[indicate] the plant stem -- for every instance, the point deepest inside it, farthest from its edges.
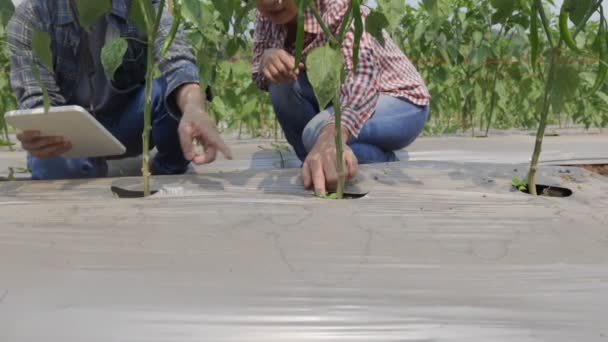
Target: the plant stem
(145, 168)
(276, 130)
(152, 31)
(339, 146)
(481, 125)
(261, 126)
(464, 117)
(330, 36)
(546, 23)
(549, 83)
(345, 23)
(492, 101)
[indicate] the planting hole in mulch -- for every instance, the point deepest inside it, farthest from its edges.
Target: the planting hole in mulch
(129, 193)
(347, 196)
(354, 196)
(551, 191)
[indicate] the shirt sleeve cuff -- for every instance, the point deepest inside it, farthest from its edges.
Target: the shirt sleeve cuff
(38, 102)
(181, 73)
(31, 103)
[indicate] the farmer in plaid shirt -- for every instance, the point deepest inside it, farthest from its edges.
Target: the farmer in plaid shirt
(179, 113)
(385, 102)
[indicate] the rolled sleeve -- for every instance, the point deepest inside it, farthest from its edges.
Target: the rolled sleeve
(178, 66)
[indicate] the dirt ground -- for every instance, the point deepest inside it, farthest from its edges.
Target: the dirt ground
(601, 169)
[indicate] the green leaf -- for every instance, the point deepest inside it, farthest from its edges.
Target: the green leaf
(41, 45)
(6, 12)
(327, 196)
(477, 37)
(515, 181)
(137, 15)
(226, 10)
(520, 185)
(112, 55)
(206, 69)
(45, 94)
(375, 23)
(91, 10)
(577, 9)
(232, 47)
(192, 11)
(324, 66)
(394, 11)
(480, 55)
(602, 74)
(438, 9)
(504, 10)
(567, 81)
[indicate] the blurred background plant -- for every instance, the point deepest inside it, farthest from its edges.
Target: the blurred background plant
(7, 100)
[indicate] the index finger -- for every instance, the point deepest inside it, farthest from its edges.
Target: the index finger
(224, 149)
(318, 178)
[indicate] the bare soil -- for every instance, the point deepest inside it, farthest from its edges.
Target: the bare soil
(602, 169)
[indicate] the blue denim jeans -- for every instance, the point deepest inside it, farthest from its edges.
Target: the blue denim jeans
(395, 124)
(127, 127)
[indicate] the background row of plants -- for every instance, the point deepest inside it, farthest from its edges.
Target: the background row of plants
(7, 100)
(474, 55)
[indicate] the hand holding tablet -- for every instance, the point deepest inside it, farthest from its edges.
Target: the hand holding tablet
(43, 147)
(68, 131)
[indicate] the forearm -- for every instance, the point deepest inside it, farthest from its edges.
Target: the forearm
(328, 133)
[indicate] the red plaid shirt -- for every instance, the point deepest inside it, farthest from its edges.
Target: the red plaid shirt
(381, 70)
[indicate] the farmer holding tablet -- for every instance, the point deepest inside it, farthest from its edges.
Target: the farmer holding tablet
(385, 102)
(179, 113)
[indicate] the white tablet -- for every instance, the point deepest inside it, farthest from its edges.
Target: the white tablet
(88, 137)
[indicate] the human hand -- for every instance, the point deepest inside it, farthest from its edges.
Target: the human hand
(278, 66)
(196, 127)
(319, 170)
(43, 147)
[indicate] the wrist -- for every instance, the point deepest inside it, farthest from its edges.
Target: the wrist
(189, 99)
(330, 129)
